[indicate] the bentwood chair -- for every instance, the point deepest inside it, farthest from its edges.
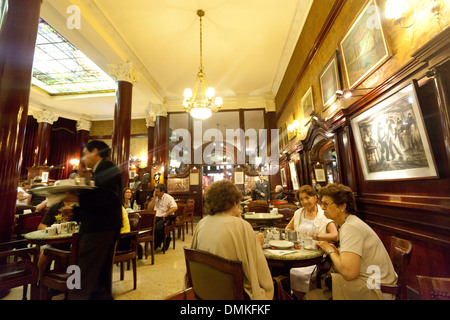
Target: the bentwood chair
(20, 271)
(400, 254)
(56, 278)
(28, 222)
(180, 219)
(169, 228)
(189, 214)
(147, 232)
(433, 288)
(258, 206)
(125, 249)
(213, 277)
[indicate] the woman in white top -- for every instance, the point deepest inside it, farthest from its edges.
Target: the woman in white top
(22, 194)
(309, 221)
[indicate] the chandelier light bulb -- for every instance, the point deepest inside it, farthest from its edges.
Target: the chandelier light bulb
(218, 101)
(188, 93)
(210, 93)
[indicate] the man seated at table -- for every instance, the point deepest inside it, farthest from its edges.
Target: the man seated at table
(164, 205)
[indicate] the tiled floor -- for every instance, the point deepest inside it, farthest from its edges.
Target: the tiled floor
(154, 282)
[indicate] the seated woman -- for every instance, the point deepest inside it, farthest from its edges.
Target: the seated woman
(22, 194)
(127, 199)
(279, 193)
(224, 233)
(360, 253)
(311, 221)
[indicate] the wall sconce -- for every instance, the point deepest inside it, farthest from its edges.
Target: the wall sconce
(75, 163)
(293, 127)
(347, 94)
(395, 9)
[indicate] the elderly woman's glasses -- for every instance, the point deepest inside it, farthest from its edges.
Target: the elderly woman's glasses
(325, 204)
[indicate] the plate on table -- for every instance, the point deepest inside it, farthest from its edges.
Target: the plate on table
(58, 189)
(281, 244)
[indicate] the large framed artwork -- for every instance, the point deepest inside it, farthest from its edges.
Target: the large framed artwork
(307, 104)
(294, 176)
(330, 82)
(291, 135)
(364, 47)
(392, 141)
(283, 177)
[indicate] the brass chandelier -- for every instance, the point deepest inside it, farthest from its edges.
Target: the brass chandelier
(207, 102)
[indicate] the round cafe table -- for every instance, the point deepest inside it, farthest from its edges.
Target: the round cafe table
(282, 261)
(40, 237)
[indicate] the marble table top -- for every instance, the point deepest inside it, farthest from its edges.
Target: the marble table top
(292, 254)
(263, 216)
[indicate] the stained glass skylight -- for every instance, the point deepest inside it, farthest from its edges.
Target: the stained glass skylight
(61, 69)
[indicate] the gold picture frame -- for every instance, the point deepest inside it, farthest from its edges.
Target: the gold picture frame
(364, 48)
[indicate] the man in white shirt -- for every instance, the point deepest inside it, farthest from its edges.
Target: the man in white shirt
(164, 205)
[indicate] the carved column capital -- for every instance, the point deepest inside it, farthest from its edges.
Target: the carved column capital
(123, 72)
(155, 110)
(84, 124)
(45, 116)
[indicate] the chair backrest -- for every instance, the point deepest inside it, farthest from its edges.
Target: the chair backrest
(287, 213)
(190, 208)
(134, 218)
(213, 277)
(28, 222)
(147, 220)
(260, 206)
(433, 288)
(180, 213)
(400, 253)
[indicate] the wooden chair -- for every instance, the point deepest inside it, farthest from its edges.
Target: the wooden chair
(56, 278)
(433, 288)
(258, 206)
(28, 222)
(400, 253)
(213, 277)
(189, 214)
(125, 249)
(147, 232)
(19, 272)
(288, 214)
(180, 219)
(168, 229)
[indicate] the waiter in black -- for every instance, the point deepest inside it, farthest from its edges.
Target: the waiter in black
(100, 215)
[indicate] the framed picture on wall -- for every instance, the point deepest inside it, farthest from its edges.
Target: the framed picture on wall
(330, 82)
(239, 177)
(283, 177)
(193, 178)
(392, 141)
(320, 175)
(364, 47)
(294, 176)
(291, 135)
(307, 105)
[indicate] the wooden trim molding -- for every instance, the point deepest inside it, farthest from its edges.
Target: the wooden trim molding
(331, 18)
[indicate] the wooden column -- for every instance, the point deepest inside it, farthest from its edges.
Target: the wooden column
(125, 75)
(45, 119)
(16, 61)
(150, 121)
(160, 165)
